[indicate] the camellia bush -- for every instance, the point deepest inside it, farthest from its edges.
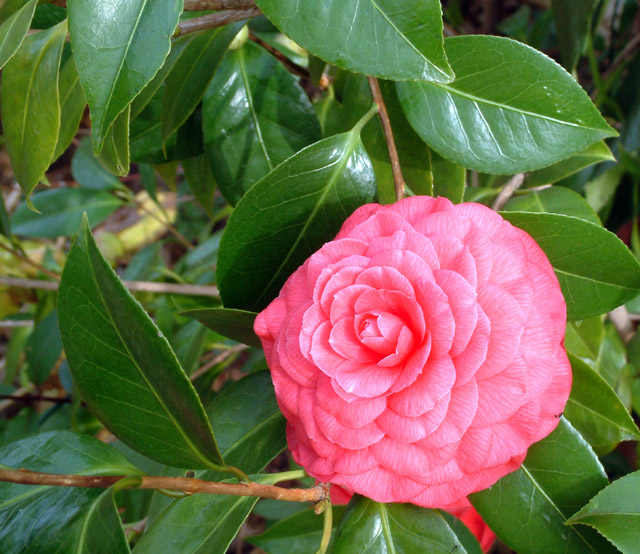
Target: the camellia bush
(319, 276)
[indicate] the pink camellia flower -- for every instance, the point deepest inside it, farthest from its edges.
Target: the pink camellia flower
(418, 355)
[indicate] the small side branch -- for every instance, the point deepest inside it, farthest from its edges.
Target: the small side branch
(398, 180)
(197, 5)
(507, 191)
(213, 20)
(183, 484)
(134, 286)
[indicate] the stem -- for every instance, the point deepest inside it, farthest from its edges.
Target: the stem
(398, 180)
(292, 67)
(325, 505)
(134, 286)
(196, 5)
(315, 494)
(507, 191)
(179, 236)
(213, 20)
(29, 261)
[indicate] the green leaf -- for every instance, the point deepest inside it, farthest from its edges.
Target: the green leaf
(597, 152)
(249, 426)
(595, 410)
(554, 200)
(263, 244)
(299, 533)
(510, 109)
(199, 176)
(31, 105)
(117, 52)
(392, 39)
(114, 155)
(43, 348)
(583, 338)
(250, 429)
(72, 105)
(14, 29)
(527, 509)
(615, 512)
(448, 178)
(60, 212)
(147, 401)
(573, 24)
(5, 226)
(89, 172)
(190, 76)
(255, 115)
(369, 526)
(233, 324)
(596, 271)
(52, 519)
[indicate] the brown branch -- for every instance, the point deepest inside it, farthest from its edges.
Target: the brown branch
(213, 20)
(291, 66)
(35, 398)
(621, 58)
(507, 191)
(398, 180)
(184, 484)
(134, 286)
(196, 5)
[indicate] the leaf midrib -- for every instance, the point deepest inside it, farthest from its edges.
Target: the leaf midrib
(605, 418)
(453, 91)
(187, 440)
(386, 531)
(596, 281)
(553, 505)
(408, 42)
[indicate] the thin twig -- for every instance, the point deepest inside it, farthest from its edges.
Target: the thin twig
(177, 234)
(29, 261)
(291, 66)
(35, 398)
(217, 360)
(398, 180)
(507, 191)
(13, 323)
(214, 20)
(184, 484)
(134, 286)
(196, 5)
(624, 54)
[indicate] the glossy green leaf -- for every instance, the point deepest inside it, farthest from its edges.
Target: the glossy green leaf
(114, 155)
(52, 519)
(299, 533)
(118, 48)
(60, 212)
(510, 109)
(596, 271)
(199, 176)
(369, 526)
(14, 29)
(72, 105)
(89, 172)
(255, 115)
(249, 426)
(43, 348)
(393, 39)
(31, 105)
(5, 225)
(250, 431)
(554, 200)
(584, 338)
(595, 410)
(615, 512)
(448, 178)
(198, 524)
(597, 152)
(263, 244)
(573, 24)
(233, 324)
(527, 509)
(190, 76)
(147, 401)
